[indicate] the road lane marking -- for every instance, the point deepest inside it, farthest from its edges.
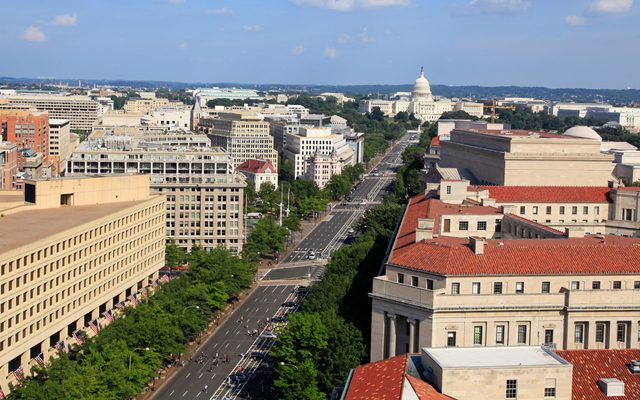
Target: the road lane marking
(188, 375)
(199, 393)
(185, 393)
(170, 394)
(200, 375)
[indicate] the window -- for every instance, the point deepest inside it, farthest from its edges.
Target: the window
(575, 285)
(546, 287)
(600, 332)
(430, 284)
(585, 210)
(448, 189)
(561, 210)
(519, 287)
(636, 284)
(548, 337)
(523, 210)
(463, 225)
(451, 339)
(522, 334)
(455, 288)
(617, 284)
(549, 392)
(548, 210)
(595, 285)
(627, 214)
(500, 334)
(414, 281)
(482, 225)
(579, 333)
(400, 278)
(574, 210)
(535, 210)
(621, 332)
(512, 389)
(475, 288)
(497, 287)
(477, 335)
(596, 210)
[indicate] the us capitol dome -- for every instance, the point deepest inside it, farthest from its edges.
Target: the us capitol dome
(421, 88)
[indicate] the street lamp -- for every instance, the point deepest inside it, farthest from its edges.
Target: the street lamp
(131, 354)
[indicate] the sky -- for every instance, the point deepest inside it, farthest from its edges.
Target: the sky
(552, 43)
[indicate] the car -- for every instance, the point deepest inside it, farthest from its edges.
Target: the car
(257, 355)
(311, 255)
(363, 202)
(289, 304)
(351, 231)
(302, 289)
(269, 335)
(280, 318)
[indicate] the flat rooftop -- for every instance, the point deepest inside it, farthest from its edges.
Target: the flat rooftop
(30, 225)
(488, 357)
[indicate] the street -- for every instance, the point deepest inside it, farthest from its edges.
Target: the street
(266, 301)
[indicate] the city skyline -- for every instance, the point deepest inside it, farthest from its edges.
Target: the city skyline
(506, 42)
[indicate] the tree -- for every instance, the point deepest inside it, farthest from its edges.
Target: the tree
(376, 114)
(174, 255)
(460, 114)
(270, 198)
(402, 116)
(291, 222)
(265, 239)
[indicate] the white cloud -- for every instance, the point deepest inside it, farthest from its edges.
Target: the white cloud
(220, 11)
(183, 46)
(575, 20)
(330, 52)
(360, 37)
(297, 50)
(611, 6)
(498, 6)
(252, 28)
(65, 19)
(34, 34)
(350, 5)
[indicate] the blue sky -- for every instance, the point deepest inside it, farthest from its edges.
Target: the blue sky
(554, 43)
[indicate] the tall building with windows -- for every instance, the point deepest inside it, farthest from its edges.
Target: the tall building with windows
(81, 111)
(27, 129)
(71, 249)
(466, 274)
(243, 135)
(204, 192)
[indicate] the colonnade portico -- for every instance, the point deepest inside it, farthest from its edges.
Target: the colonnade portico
(401, 334)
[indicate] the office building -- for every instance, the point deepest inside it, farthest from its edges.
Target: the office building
(204, 193)
(61, 142)
(244, 135)
(8, 165)
(311, 140)
(524, 158)
(72, 249)
(280, 127)
(171, 119)
(81, 111)
(321, 167)
(28, 130)
(203, 95)
(145, 104)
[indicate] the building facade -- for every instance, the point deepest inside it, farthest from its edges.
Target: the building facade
(77, 247)
(259, 172)
(61, 142)
(322, 167)
(204, 193)
(8, 165)
(28, 130)
(81, 111)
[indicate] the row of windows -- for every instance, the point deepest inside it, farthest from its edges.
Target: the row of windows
(497, 287)
(561, 210)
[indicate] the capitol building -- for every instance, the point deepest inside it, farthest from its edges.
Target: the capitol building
(421, 103)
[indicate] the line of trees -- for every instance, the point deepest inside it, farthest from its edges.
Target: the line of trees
(163, 324)
(330, 334)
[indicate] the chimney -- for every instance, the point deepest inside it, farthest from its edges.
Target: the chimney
(574, 232)
(477, 244)
(424, 229)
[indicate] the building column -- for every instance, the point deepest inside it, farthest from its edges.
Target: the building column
(392, 335)
(634, 335)
(412, 334)
(613, 335)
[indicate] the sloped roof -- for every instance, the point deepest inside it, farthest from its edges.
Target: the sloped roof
(547, 194)
(589, 366)
(256, 166)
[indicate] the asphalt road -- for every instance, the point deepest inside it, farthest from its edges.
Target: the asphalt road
(315, 270)
(230, 338)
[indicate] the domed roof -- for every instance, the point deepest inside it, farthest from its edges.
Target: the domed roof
(421, 87)
(583, 132)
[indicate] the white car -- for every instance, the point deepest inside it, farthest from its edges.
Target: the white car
(269, 335)
(350, 231)
(311, 255)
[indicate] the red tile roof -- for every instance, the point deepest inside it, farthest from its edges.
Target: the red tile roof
(629, 188)
(256, 166)
(589, 366)
(421, 207)
(384, 380)
(547, 194)
(435, 142)
(381, 380)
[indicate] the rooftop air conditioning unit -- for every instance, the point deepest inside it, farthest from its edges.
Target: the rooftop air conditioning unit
(611, 387)
(634, 367)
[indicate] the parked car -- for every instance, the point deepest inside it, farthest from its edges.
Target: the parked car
(289, 304)
(269, 335)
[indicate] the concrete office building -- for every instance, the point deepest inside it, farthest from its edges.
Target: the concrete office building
(145, 104)
(310, 140)
(204, 193)
(76, 248)
(243, 135)
(8, 165)
(280, 127)
(205, 94)
(322, 167)
(81, 111)
(472, 275)
(171, 119)
(61, 142)
(524, 158)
